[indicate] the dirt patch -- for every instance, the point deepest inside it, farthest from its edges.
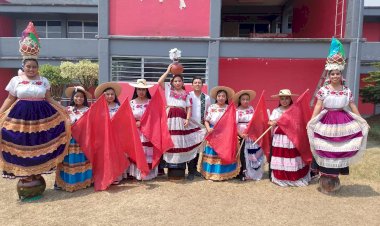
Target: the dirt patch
(204, 202)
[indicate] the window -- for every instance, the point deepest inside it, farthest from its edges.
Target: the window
(82, 29)
(48, 29)
(151, 68)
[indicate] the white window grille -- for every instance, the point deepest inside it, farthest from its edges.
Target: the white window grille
(130, 68)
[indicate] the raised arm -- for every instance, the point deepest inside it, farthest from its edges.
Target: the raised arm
(161, 81)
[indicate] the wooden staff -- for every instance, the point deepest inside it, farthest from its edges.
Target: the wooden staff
(257, 140)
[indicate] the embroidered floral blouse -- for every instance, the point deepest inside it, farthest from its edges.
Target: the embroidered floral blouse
(335, 99)
(174, 98)
(75, 113)
(214, 113)
(113, 110)
(21, 88)
(243, 116)
(138, 109)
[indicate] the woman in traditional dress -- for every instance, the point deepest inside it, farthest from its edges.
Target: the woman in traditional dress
(251, 155)
(139, 103)
(186, 134)
(212, 166)
(111, 90)
(337, 135)
(35, 130)
(288, 168)
(75, 172)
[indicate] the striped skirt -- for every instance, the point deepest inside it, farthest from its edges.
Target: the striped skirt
(34, 138)
(337, 138)
(75, 172)
(254, 160)
(148, 150)
(187, 140)
(288, 168)
(212, 167)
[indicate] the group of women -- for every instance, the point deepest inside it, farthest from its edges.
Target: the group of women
(36, 138)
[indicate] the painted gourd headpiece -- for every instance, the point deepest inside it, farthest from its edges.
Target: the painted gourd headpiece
(336, 58)
(29, 43)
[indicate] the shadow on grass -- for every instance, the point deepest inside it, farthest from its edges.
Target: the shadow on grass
(356, 190)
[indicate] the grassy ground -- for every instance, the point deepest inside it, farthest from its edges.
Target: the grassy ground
(202, 202)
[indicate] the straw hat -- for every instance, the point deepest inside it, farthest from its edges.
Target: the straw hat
(284, 93)
(230, 92)
(250, 93)
(141, 83)
(69, 91)
(100, 89)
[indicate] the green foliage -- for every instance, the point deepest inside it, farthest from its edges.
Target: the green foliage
(57, 82)
(371, 92)
(85, 72)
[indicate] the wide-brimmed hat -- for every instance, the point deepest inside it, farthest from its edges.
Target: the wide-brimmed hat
(230, 92)
(141, 83)
(250, 93)
(284, 93)
(100, 89)
(69, 91)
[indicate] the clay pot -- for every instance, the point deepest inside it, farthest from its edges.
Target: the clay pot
(328, 184)
(31, 187)
(176, 68)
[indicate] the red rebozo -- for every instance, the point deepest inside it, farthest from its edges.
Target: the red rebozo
(152, 18)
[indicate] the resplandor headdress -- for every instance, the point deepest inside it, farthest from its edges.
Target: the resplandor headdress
(336, 58)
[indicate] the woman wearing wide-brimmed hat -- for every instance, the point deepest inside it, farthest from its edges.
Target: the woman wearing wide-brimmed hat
(111, 91)
(288, 168)
(251, 155)
(212, 166)
(140, 101)
(75, 172)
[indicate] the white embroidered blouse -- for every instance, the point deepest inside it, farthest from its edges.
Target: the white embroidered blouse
(24, 88)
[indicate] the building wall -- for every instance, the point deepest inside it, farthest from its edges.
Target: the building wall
(6, 26)
(270, 74)
(371, 31)
(314, 19)
(5, 76)
(152, 18)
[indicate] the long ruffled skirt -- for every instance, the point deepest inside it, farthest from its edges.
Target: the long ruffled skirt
(337, 139)
(75, 172)
(148, 150)
(288, 168)
(34, 138)
(187, 140)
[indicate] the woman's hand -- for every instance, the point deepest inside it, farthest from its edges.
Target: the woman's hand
(168, 69)
(186, 123)
(272, 123)
(243, 136)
